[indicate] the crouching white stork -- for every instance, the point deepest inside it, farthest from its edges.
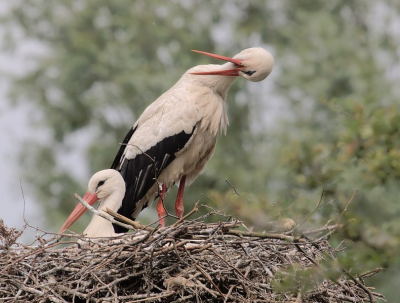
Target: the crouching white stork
(107, 187)
(176, 135)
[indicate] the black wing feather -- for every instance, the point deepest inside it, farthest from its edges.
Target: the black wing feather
(140, 173)
(121, 150)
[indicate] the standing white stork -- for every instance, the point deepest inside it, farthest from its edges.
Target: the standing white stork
(176, 135)
(108, 187)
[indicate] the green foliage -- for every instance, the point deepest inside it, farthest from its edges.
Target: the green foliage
(295, 279)
(338, 132)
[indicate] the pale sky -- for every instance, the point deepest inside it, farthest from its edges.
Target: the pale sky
(13, 130)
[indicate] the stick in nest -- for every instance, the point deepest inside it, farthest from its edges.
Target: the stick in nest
(101, 214)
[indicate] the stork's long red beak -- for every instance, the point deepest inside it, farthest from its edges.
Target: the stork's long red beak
(230, 72)
(79, 210)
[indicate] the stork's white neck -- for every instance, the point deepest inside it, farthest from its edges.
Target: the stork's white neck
(100, 227)
(220, 84)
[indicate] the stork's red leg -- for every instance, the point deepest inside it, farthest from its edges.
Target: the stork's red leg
(160, 206)
(179, 198)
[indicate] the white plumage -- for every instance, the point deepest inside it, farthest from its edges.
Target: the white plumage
(108, 187)
(183, 124)
(176, 135)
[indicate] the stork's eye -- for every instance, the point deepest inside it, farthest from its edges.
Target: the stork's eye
(101, 183)
(249, 72)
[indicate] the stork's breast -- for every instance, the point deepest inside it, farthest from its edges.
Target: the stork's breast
(194, 159)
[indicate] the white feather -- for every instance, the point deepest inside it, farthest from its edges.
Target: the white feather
(110, 196)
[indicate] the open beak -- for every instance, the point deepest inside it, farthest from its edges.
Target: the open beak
(79, 210)
(230, 72)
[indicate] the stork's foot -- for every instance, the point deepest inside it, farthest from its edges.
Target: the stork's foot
(161, 212)
(179, 208)
(179, 198)
(160, 206)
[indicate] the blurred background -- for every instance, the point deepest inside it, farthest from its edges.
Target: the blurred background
(75, 75)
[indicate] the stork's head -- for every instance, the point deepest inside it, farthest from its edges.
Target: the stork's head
(253, 64)
(102, 185)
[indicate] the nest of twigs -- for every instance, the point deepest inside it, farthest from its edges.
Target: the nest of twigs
(190, 261)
